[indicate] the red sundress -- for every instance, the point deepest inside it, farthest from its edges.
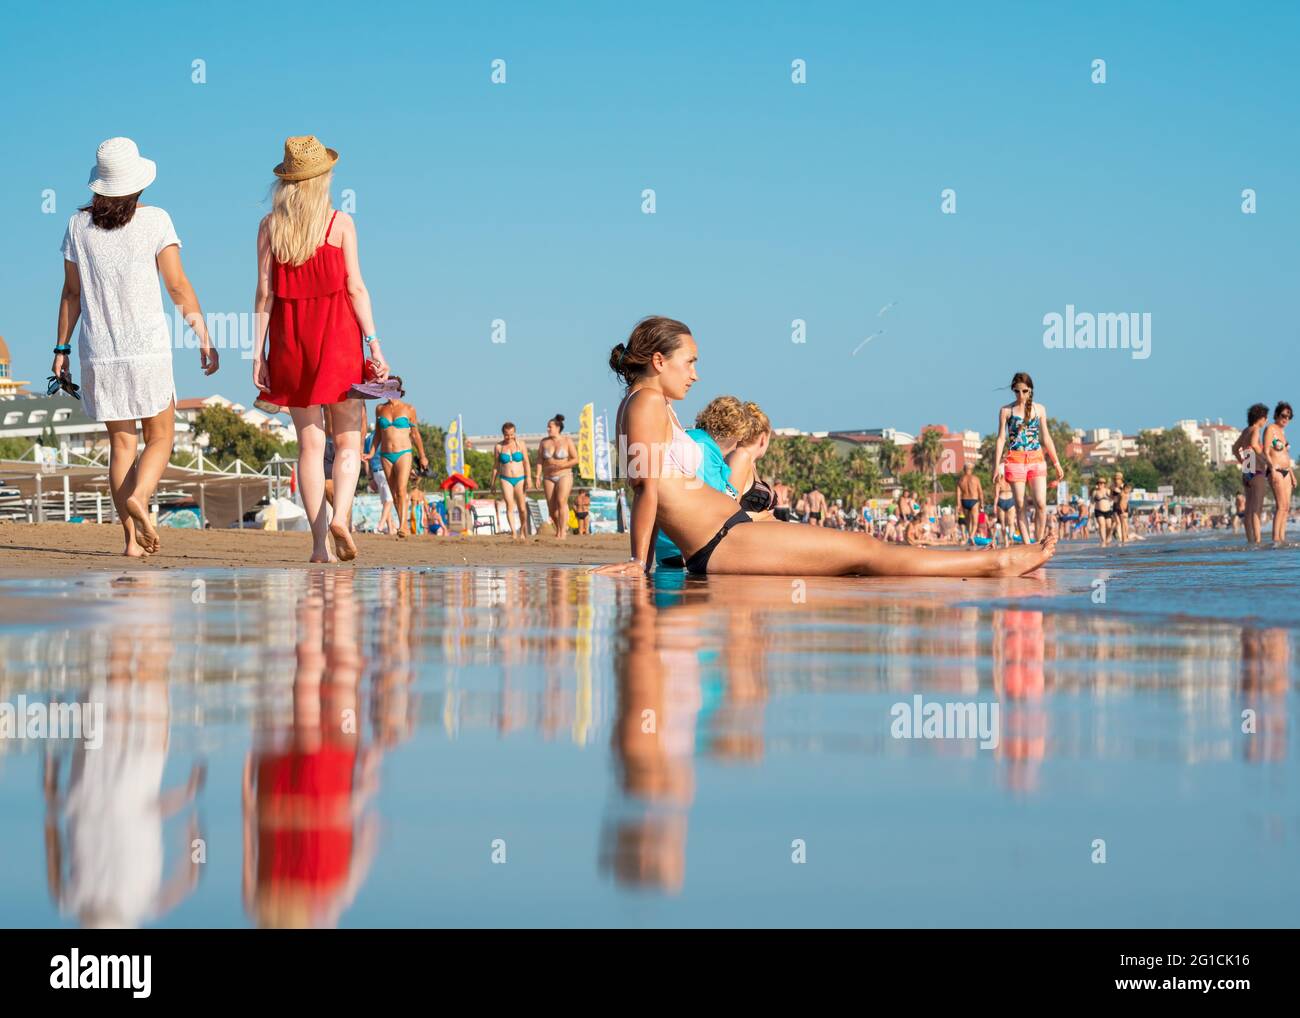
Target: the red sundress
(315, 355)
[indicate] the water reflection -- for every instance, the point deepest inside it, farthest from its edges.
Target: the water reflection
(316, 678)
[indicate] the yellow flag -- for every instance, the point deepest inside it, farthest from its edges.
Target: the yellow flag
(586, 447)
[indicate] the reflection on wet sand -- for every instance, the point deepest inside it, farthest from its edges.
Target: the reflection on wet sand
(326, 672)
(104, 833)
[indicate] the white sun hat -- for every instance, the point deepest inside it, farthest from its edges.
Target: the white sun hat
(120, 169)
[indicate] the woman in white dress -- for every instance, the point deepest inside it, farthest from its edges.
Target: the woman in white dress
(113, 251)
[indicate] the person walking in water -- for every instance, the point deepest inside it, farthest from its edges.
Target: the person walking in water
(1023, 435)
(310, 290)
(113, 252)
(1281, 475)
(1249, 451)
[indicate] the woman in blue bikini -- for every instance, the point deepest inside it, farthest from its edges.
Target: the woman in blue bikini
(398, 435)
(510, 468)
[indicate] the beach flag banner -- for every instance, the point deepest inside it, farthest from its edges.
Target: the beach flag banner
(1062, 492)
(601, 442)
(455, 447)
(586, 459)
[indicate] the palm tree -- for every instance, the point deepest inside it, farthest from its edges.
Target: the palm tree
(892, 459)
(928, 452)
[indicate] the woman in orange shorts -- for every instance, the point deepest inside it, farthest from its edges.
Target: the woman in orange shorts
(1023, 435)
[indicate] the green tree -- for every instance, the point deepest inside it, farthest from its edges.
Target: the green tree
(1227, 481)
(1140, 472)
(928, 452)
(863, 476)
(231, 438)
(892, 458)
(13, 448)
(1178, 461)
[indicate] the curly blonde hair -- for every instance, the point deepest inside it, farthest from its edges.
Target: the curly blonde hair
(723, 418)
(757, 424)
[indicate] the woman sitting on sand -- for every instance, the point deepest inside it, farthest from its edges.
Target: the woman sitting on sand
(717, 428)
(658, 365)
(397, 430)
(309, 288)
(113, 251)
(756, 495)
(1281, 476)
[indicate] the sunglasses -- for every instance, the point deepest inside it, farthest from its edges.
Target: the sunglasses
(1021, 392)
(62, 382)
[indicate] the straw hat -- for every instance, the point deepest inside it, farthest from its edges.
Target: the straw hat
(305, 157)
(120, 169)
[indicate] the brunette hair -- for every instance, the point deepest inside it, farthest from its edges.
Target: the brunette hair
(1284, 405)
(1257, 411)
(1022, 378)
(506, 427)
(112, 213)
(558, 421)
(650, 336)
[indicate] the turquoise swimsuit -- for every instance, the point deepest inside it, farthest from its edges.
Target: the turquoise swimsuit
(511, 457)
(383, 423)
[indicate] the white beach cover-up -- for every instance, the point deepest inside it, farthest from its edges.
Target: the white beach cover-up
(125, 345)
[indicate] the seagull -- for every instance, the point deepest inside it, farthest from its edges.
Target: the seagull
(881, 312)
(866, 341)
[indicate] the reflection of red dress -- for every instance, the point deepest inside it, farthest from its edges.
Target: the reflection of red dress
(315, 355)
(318, 786)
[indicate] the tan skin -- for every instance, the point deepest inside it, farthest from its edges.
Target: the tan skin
(394, 439)
(515, 497)
(1006, 517)
(1039, 482)
(1102, 500)
(555, 476)
(1249, 452)
(581, 505)
(969, 487)
(131, 482)
(1281, 475)
(347, 417)
(691, 513)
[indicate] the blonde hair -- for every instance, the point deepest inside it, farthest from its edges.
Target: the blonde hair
(724, 417)
(299, 218)
(757, 424)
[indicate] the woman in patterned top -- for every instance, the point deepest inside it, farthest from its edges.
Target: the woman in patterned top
(1023, 435)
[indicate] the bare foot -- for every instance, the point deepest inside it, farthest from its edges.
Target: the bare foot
(145, 535)
(343, 543)
(1025, 559)
(133, 550)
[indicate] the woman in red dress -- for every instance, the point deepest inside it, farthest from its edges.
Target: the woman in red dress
(310, 292)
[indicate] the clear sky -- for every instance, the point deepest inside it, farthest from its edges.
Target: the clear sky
(775, 201)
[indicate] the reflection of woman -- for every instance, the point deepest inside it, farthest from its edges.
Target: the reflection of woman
(510, 465)
(306, 782)
(397, 433)
(556, 458)
(1019, 645)
(115, 807)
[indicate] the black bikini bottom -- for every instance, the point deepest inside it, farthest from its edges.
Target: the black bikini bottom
(698, 564)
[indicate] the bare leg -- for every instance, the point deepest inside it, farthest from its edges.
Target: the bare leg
(1022, 521)
(309, 423)
(1282, 496)
(563, 485)
(121, 478)
(347, 418)
(773, 549)
(1040, 506)
(398, 474)
(548, 486)
(521, 499)
(508, 493)
(1255, 508)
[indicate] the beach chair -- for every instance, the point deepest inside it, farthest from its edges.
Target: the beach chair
(483, 513)
(537, 513)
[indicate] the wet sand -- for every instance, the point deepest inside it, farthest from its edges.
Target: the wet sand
(36, 549)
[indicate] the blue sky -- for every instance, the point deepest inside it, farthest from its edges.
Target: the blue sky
(775, 201)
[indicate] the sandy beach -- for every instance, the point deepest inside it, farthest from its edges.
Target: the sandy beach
(28, 549)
